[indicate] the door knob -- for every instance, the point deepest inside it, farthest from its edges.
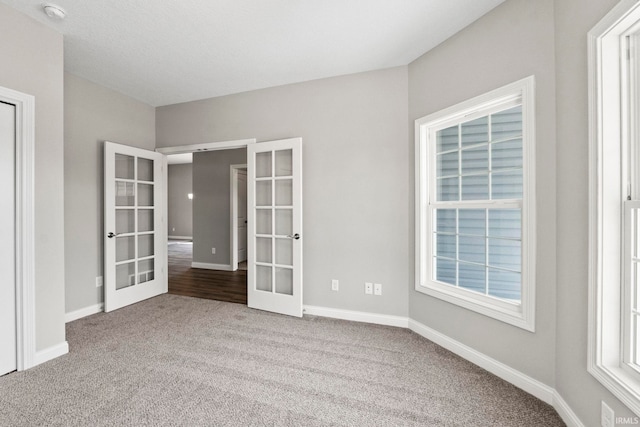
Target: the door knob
(295, 236)
(111, 235)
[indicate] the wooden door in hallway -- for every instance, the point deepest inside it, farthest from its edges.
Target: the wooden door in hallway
(8, 333)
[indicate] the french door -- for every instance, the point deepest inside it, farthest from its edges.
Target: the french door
(135, 212)
(274, 279)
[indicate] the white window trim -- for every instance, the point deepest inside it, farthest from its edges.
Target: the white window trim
(606, 124)
(521, 315)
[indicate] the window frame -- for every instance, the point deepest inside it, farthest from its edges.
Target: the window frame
(613, 178)
(520, 92)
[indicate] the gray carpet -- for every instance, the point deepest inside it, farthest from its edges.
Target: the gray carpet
(180, 361)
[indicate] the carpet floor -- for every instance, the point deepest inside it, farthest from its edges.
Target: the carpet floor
(181, 361)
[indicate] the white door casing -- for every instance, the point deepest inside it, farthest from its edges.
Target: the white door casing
(242, 215)
(8, 331)
(135, 232)
(238, 215)
(274, 187)
(24, 231)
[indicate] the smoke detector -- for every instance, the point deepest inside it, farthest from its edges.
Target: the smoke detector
(54, 11)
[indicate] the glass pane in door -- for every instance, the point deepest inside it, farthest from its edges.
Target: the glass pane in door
(145, 270)
(284, 192)
(145, 245)
(125, 221)
(263, 165)
(125, 193)
(284, 281)
(284, 252)
(263, 249)
(263, 278)
(145, 170)
(145, 194)
(125, 275)
(125, 166)
(263, 221)
(284, 163)
(263, 193)
(145, 219)
(284, 222)
(125, 248)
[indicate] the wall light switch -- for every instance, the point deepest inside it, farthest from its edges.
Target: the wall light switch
(98, 281)
(213, 251)
(368, 288)
(335, 285)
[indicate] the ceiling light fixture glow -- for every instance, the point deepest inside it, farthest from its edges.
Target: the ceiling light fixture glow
(54, 11)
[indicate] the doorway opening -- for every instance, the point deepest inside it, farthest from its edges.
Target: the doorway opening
(207, 246)
(273, 280)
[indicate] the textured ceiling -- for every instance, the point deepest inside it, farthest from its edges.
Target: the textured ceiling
(166, 51)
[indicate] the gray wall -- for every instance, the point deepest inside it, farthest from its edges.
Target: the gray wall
(212, 204)
(179, 183)
(32, 62)
(355, 157)
(93, 114)
(573, 19)
(513, 41)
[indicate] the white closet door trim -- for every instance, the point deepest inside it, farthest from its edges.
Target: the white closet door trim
(25, 225)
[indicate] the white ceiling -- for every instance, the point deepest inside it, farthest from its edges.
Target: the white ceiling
(166, 51)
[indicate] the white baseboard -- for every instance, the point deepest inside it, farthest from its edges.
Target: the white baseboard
(83, 312)
(209, 266)
(564, 410)
(50, 353)
(181, 237)
(357, 316)
(507, 373)
(530, 385)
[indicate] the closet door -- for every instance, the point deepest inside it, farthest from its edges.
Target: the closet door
(8, 334)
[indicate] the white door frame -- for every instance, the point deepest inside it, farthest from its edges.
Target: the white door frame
(234, 215)
(24, 226)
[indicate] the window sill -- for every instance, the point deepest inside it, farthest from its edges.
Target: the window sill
(513, 314)
(621, 383)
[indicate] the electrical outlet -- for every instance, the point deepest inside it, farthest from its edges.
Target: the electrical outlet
(377, 289)
(213, 251)
(368, 288)
(173, 229)
(335, 285)
(98, 281)
(606, 416)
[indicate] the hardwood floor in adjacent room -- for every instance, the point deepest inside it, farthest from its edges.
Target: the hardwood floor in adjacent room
(230, 286)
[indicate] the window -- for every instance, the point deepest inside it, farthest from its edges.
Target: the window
(475, 204)
(614, 203)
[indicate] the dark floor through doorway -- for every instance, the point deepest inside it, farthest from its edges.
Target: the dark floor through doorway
(230, 286)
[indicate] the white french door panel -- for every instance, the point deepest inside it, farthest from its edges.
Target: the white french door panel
(8, 331)
(135, 212)
(274, 243)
